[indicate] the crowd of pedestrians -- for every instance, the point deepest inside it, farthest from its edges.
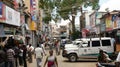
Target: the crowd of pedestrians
(14, 54)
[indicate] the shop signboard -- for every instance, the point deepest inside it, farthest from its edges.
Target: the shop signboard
(12, 17)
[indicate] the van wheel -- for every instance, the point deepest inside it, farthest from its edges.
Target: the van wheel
(72, 57)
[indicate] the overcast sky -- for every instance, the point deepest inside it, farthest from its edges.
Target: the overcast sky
(111, 4)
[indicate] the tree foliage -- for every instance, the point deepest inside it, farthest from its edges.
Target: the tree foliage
(65, 8)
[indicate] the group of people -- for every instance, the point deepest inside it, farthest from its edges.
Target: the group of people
(14, 54)
(11, 53)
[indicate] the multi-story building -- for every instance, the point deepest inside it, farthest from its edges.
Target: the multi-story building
(95, 23)
(9, 17)
(34, 21)
(54, 31)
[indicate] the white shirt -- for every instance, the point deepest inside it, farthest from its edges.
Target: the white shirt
(30, 48)
(43, 48)
(38, 52)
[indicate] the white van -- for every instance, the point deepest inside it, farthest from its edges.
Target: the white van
(88, 48)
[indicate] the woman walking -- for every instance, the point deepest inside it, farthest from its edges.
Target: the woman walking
(51, 60)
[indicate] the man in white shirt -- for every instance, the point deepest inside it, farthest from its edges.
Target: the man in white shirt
(38, 55)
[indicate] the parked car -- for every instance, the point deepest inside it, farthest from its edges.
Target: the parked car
(88, 48)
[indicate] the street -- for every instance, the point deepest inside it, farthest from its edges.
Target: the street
(63, 62)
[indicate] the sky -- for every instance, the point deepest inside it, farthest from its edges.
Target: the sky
(111, 4)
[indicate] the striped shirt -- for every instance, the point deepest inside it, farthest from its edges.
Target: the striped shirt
(10, 55)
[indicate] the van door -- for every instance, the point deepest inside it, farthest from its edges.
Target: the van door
(107, 45)
(84, 50)
(95, 45)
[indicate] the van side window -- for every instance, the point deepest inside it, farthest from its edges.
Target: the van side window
(95, 43)
(106, 43)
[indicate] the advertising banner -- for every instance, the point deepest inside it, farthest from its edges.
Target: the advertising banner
(108, 22)
(1, 6)
(114, 21)
(2, 12)
(118, 22)
(33, 9)
(33, 26)
(12, 16)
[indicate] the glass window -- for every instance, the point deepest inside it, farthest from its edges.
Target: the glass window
(95, 43)
(106, 43)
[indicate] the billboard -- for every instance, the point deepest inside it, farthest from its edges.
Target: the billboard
(12, 16)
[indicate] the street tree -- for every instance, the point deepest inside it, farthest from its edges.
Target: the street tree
(69, 8)
(49, 9)
(56, 9)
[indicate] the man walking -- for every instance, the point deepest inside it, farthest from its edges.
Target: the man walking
(38, 55)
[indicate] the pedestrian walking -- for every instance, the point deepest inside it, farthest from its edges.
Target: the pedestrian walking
(51, 60)
(57, 47)
(21, 55)
(43, 48)
(16, 50)
(38, 55)
(24, 55)
(10, 57)
(30, 49)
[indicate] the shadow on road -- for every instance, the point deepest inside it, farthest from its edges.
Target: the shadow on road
(67, 61)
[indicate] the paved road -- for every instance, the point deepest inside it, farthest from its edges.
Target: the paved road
(62, 62)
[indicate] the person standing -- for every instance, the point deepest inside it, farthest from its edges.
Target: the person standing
(10, 57)
(38, 55)
(51, 60)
